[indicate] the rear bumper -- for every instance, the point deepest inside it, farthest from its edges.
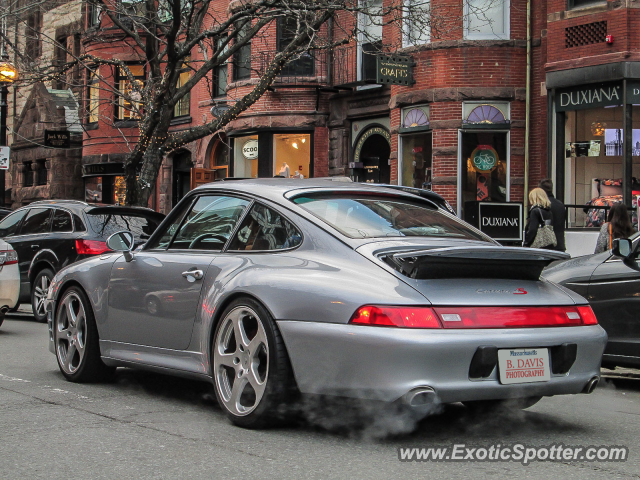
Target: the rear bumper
(9, 286)
(386, 363)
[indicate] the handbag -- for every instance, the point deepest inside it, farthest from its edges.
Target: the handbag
(545, 236)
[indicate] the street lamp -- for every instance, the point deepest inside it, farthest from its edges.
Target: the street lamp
(8, 75)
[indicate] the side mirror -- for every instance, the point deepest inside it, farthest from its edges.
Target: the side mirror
(622, 247)
(122, 242)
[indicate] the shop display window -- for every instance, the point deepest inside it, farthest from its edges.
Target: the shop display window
(245, 157)
(291, 155)
(484, 167)
(416, 160)
(594, 162)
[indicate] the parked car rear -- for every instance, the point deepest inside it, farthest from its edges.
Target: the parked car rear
(49, 235)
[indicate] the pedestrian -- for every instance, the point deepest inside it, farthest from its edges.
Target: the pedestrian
(539, 232)
(558, 211)
(618, 225)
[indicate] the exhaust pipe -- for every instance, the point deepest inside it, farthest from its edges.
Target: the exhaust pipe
(591, 385)
(420, 397)
(4, 310)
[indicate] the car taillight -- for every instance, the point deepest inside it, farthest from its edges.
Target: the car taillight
(515, 317)
(91, 247)
(8, 257)
(588, 317)
(408, 317)
(474, 317)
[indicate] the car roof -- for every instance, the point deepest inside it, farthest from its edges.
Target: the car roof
(280, 189)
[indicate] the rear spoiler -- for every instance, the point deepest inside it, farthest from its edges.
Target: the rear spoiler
(475, 262)
(133, 211)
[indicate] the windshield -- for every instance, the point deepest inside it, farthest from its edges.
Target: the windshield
(361, 216)
(107, 224)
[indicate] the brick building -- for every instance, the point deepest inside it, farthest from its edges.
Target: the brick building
(459, 129)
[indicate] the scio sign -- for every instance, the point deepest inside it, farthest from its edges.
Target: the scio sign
(250, 149)
(501, 221)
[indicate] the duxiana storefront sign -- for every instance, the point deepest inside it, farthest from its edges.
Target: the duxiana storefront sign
(589, 96)
(501, 221)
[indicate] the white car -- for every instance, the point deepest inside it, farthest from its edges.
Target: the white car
(9, 278)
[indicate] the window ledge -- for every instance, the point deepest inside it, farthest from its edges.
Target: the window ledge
(125, 123)
(181, 120)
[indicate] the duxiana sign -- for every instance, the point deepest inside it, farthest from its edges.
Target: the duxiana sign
(589, 96)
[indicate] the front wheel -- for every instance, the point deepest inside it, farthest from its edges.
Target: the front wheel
(75, 337)
(39, 289)
(251, 369)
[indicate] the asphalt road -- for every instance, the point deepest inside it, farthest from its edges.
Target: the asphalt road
(151, 426)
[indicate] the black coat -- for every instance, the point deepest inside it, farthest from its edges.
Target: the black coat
(537, 217)
(559, 213)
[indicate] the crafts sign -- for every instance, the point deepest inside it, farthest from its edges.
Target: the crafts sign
(484, 158)
(250, 150)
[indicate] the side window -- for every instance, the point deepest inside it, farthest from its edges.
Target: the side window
(38, 221)
(10, 224)
(210, 223)
(61, 222)
(169, 229)
(265, 229)
(79, 224)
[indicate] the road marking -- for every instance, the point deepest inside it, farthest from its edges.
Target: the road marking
(13, 379)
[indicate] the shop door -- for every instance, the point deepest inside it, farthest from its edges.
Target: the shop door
(375, 160)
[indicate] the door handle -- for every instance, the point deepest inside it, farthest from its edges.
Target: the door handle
(35, 247)
(193, 275)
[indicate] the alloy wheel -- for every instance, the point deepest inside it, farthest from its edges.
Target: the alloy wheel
(71, 329)
(40, 293)
(241, 360)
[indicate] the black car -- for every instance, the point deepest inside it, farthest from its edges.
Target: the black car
(49, 235)
(611, 282)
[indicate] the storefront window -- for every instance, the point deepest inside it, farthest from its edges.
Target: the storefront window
(292, 155)
(416, 160)
(483, 170)
(245, 157)
(130, 92)
(594, 162)
(110, 190)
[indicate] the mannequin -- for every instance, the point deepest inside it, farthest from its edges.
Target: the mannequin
(284, 171)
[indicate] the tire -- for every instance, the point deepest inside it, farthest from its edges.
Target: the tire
(76, 341)
(497, 406)
(1, 319)
(39, 289)
(258, 366)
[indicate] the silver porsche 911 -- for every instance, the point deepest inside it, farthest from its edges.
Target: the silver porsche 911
(272, 287)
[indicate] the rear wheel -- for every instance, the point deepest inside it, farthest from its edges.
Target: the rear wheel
(1, 318)
(504, 405)
(39, 289)
(250, 365)
(76, 339)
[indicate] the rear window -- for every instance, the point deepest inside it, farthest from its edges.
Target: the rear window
(363, 216)
(107, 224)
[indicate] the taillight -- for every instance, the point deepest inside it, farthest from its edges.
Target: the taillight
(588, 317)
(408, 317)
(91, 247)
(8, 257)
(474, 317)
(515, 317)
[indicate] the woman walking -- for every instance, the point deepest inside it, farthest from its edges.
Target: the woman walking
(618, 225)
(539, 231)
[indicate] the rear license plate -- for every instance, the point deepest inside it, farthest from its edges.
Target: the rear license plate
(523, 365)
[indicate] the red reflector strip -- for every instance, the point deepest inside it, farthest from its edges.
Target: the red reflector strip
(407, 317)
(517, 317)
(91, 247)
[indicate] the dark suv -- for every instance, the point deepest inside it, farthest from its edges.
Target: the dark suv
(49, 235)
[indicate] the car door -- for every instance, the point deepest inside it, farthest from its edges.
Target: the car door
(153, 300)
(31, 238)
(614, 294)
(9, 229)
(61, 241)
